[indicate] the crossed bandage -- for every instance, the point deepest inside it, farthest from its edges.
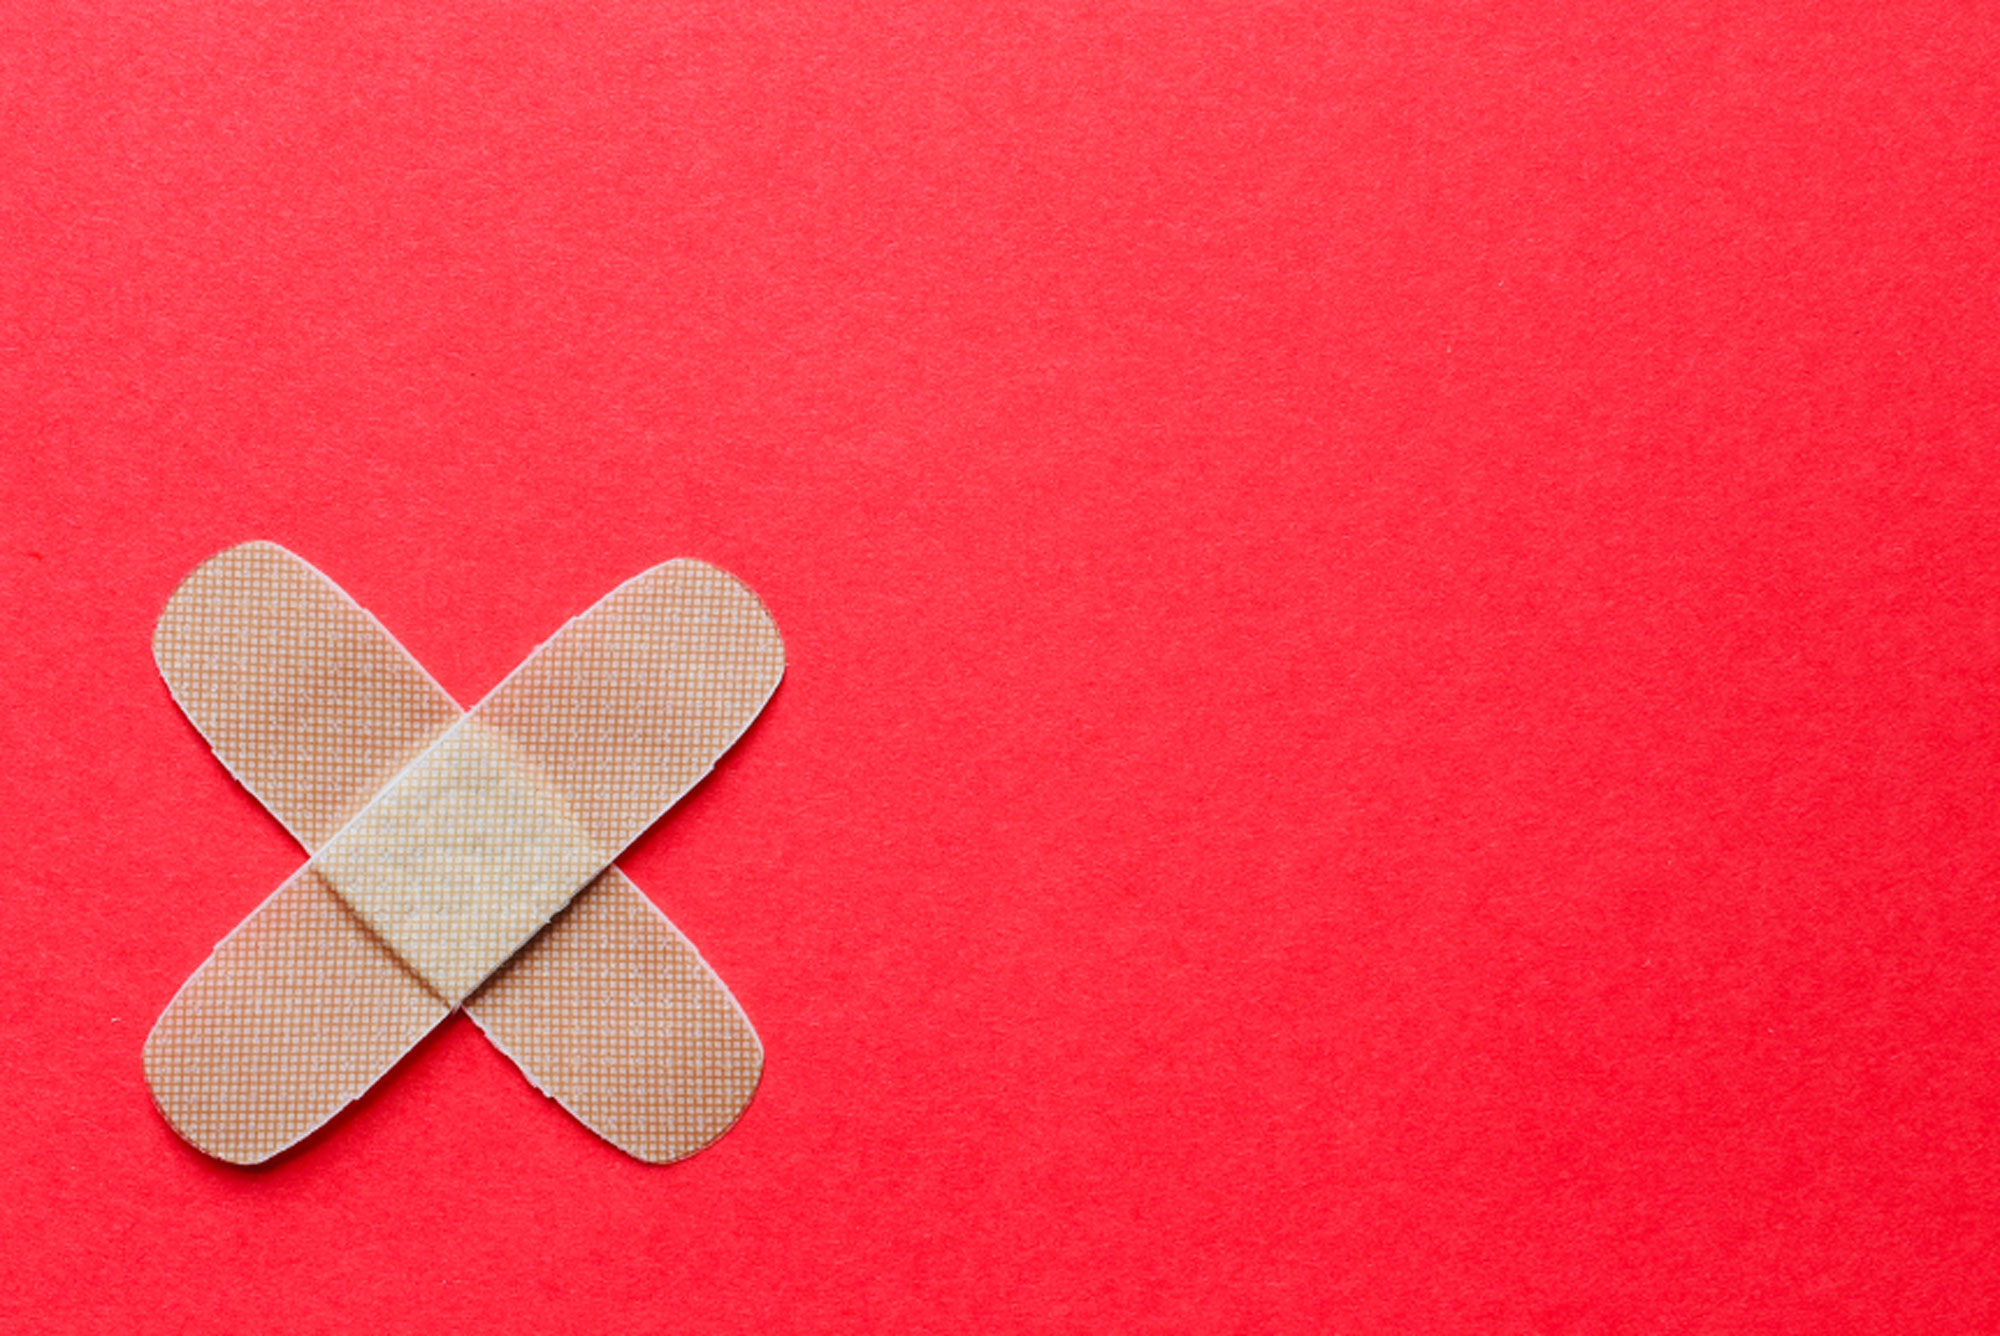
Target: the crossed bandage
(458, 859)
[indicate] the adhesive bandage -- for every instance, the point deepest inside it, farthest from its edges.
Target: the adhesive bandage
(444, 842)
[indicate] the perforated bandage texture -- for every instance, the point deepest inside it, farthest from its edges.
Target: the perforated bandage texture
(449, 842)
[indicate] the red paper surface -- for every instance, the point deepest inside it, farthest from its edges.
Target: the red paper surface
(1394, 619)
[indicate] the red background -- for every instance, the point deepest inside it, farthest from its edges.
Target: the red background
(1394, 617)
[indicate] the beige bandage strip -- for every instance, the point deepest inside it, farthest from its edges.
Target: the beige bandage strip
(314, 706)
(309, 701)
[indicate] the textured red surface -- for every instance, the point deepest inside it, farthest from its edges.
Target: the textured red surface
(1394, 617)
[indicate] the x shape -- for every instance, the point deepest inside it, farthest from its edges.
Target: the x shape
(444, 849)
